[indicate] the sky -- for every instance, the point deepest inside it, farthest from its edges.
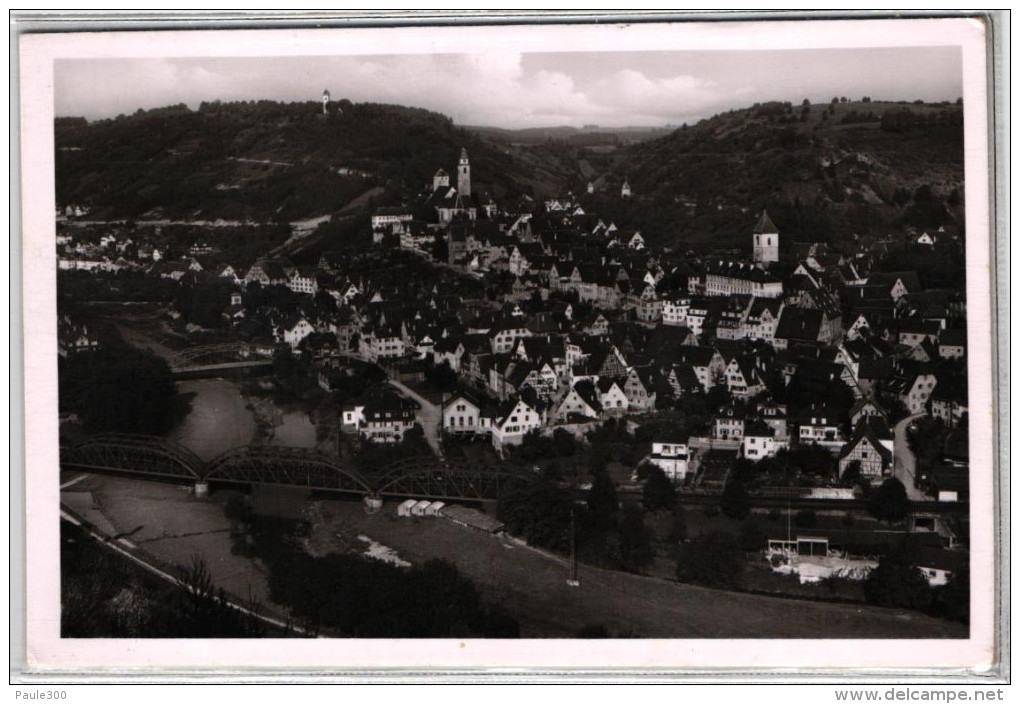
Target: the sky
(526, 89)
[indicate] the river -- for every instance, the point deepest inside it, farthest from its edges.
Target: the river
(221, 418)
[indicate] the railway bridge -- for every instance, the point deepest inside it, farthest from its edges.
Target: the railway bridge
(156, 458)
(213, 360)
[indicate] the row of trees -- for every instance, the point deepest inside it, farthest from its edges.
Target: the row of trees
(119, 388)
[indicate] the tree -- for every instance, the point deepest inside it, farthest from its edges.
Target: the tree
(564, 442)
(678, 526)
(658, 492)
(852, 474)
(889, 502)
(735, 501)
(711, 560)
(120, 389)
(897, 582)
(635, 540)
(952, 600)
(602, 500)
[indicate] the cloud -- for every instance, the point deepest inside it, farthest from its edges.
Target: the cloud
(506, 88)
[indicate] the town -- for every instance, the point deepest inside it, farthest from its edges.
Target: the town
(814, 395)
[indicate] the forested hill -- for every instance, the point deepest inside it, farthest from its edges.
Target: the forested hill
(825, 171)
(264, 160)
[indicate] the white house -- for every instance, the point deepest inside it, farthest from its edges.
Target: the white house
(759, 440)
(463, 416)
(513, 421)
(672, 458)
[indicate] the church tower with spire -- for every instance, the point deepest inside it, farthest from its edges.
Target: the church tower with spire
(766, 241)
(464, 174)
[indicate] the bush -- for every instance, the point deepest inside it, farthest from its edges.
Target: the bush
(711, 560)
(889, 502)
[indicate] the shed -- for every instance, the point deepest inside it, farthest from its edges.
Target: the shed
(434, 508)
(404, 509)
(419, 508)
(471, 518)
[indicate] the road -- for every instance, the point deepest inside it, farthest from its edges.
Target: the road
(904, 462)
(430, 416)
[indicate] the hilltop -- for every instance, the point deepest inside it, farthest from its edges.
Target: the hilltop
(266, 161)
(824, 171)
(831, 170)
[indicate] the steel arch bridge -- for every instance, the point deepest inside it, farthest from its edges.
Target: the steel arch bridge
(205, 355)
(428, 477)
(285, 466)
(143, 455)
(424, 477)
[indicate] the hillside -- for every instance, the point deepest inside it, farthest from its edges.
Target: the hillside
(823, 171)
(266, 161)
(826, 171)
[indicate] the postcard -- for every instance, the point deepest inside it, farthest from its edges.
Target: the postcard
(659, 346)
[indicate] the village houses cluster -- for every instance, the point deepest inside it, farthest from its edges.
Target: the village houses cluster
(590, 322)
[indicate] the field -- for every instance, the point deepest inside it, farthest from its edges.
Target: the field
(171, 525)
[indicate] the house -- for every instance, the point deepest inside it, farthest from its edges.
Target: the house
(912, 390)
(759, 440)
(950, 401)
(581, 401)
(871, 446)
(74, 338)
(743, 378)
(723, 278)
(938, 565)
(895, 284)
(382, 342)
(513, 420)
(386, 416)
(683, 380)
(914, 331)
(819, 425)
(390, 219)
(266, 273)
(953, 344)
(640, 390)
(294, 330)
(649, 306)
(612, 396)
(672, 458)
(462, 415)
(303, 280)
(762, 319)
(866, 408)
(799, 325)
(728, 424)
(708, 365)
(775, 416)
(503, 335)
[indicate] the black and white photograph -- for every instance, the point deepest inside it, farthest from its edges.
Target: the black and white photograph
(575, 336)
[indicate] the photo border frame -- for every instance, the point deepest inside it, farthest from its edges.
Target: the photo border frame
(997, 135)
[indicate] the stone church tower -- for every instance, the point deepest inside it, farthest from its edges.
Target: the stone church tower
(464, 175)
(766, 241)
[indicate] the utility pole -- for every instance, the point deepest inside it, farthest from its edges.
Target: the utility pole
(573, 581)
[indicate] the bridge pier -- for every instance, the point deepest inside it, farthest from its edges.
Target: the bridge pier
(201, 489)
(373, 503)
